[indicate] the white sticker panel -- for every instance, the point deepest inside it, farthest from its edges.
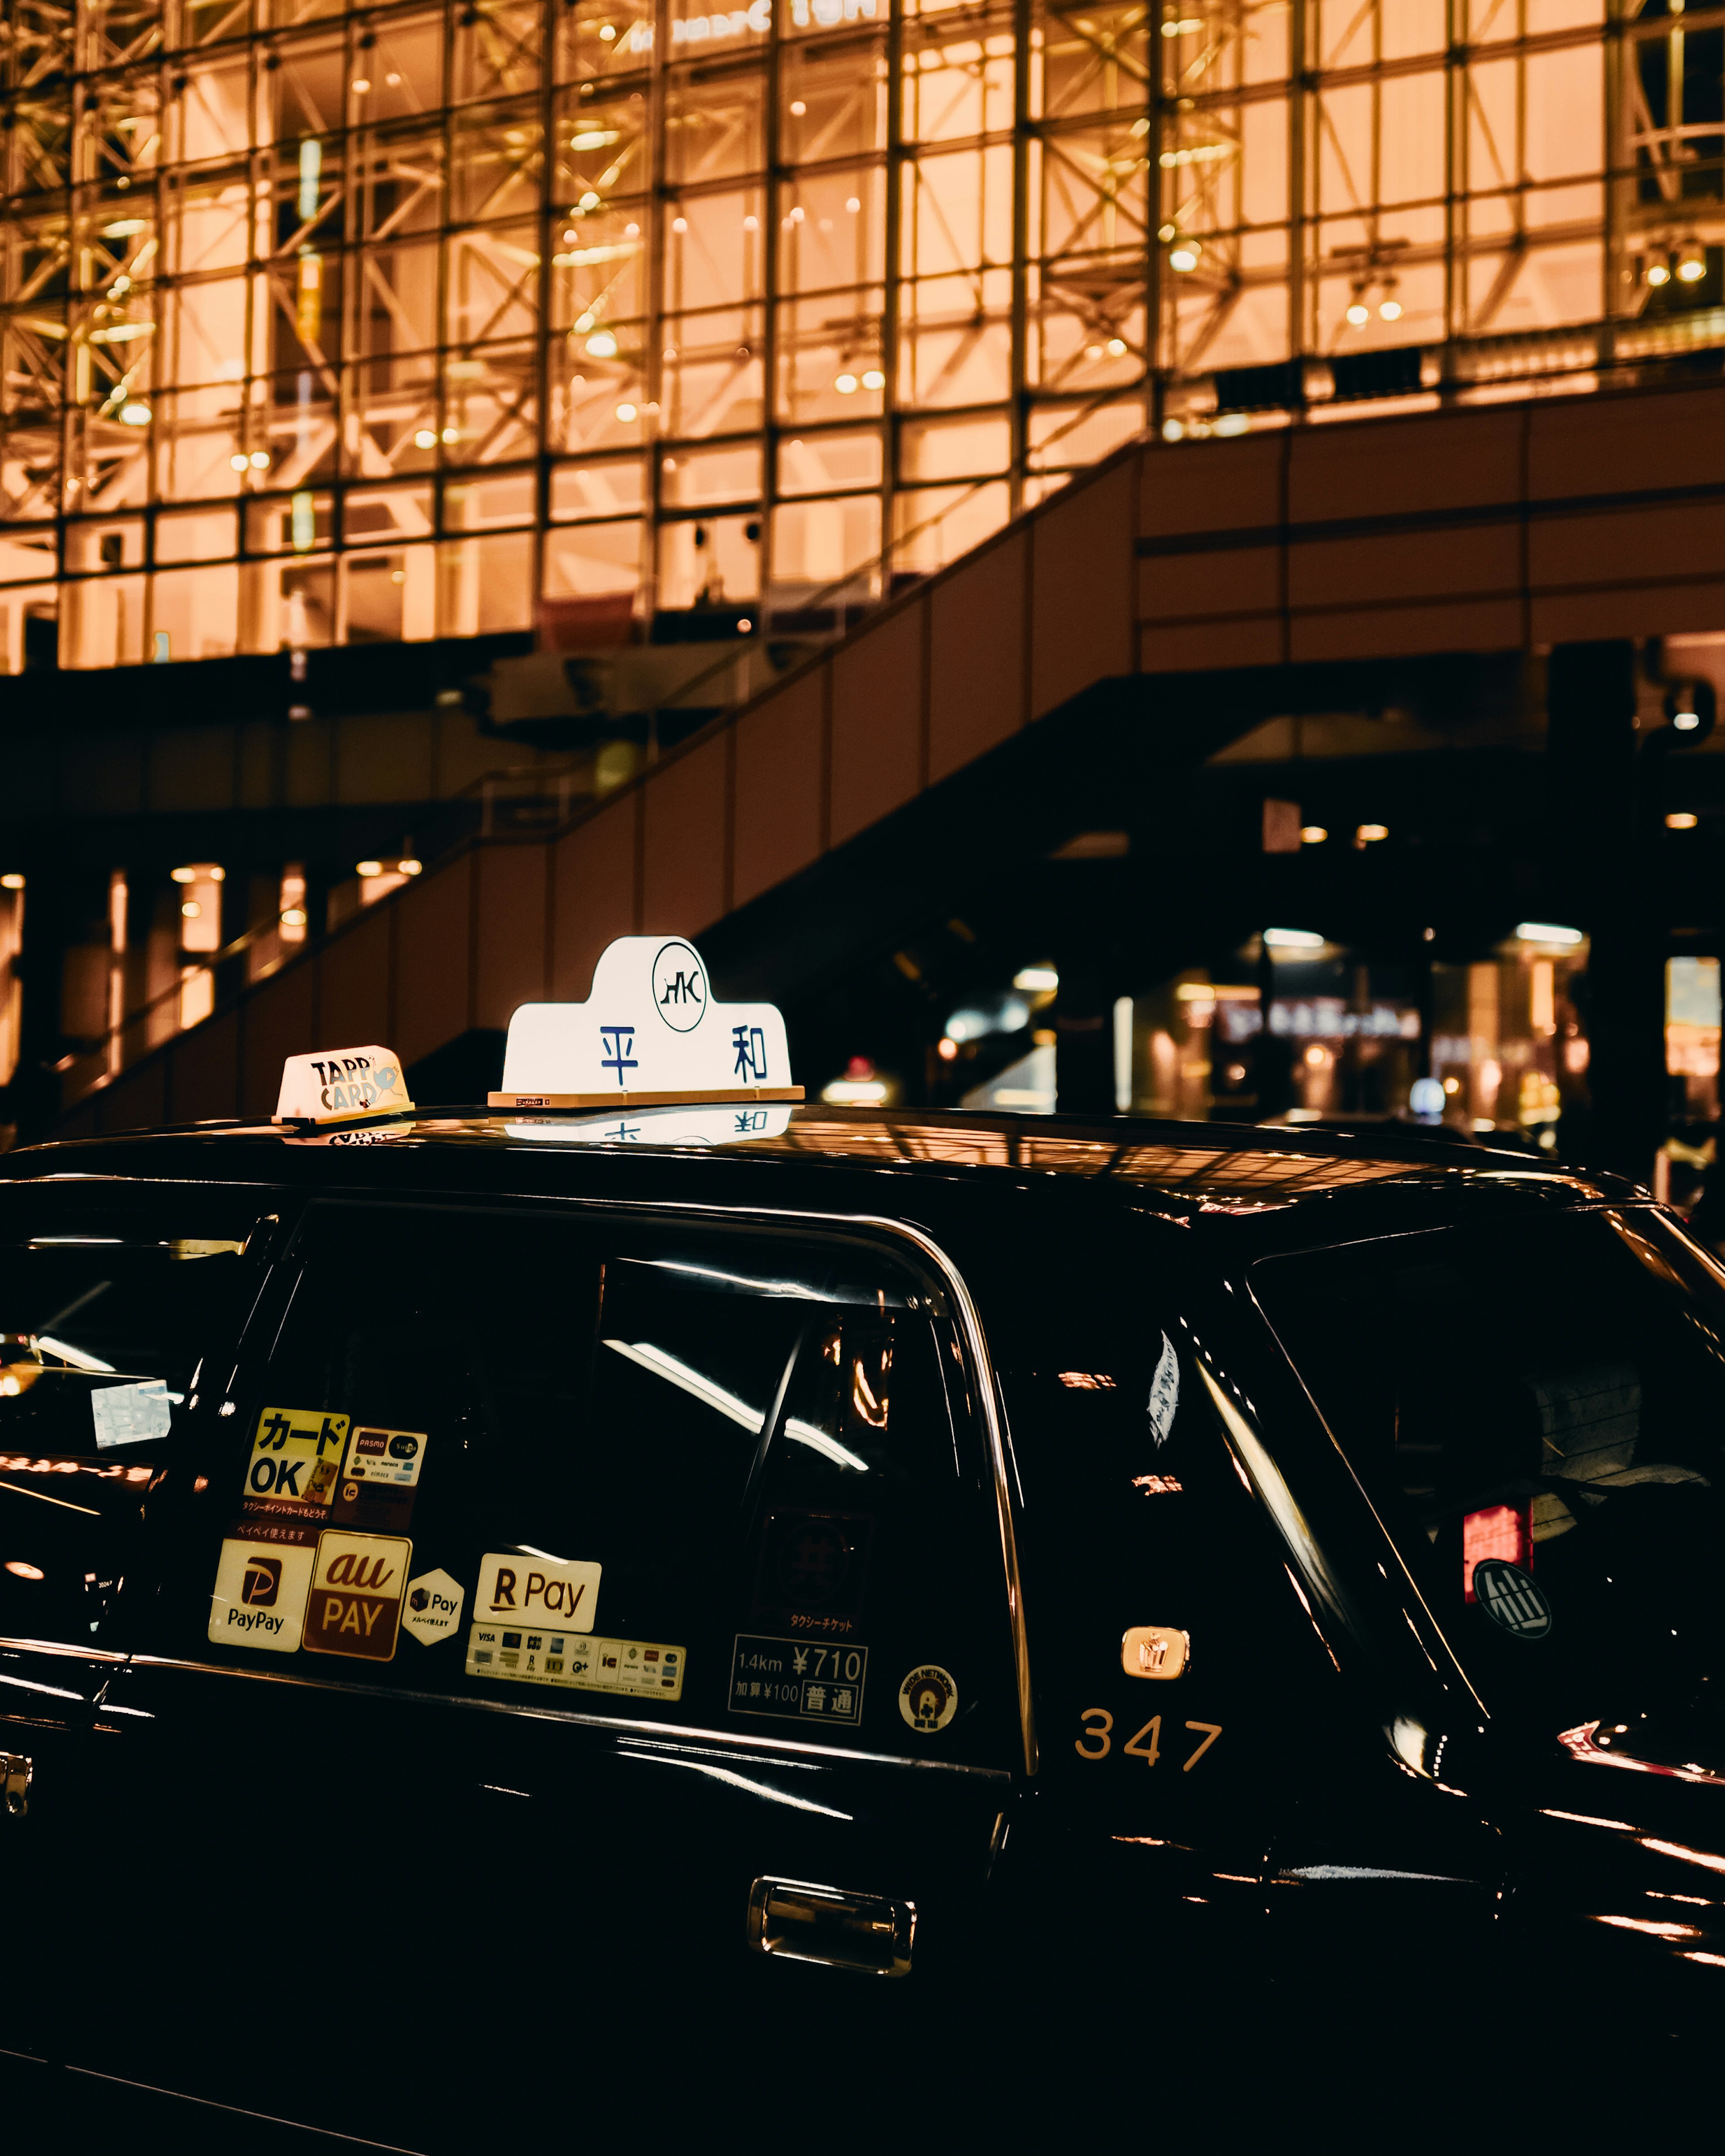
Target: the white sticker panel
(259, 1598)
(581, 1660)
(131, 1415)
(433, 1607)
(538, 1590)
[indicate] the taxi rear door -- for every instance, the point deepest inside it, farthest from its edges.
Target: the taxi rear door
(584, 1629)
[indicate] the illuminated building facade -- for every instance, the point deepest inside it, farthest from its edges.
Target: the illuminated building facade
(325, 325)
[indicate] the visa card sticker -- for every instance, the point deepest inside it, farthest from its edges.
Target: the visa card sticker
(530, 1654)
(296, 1454)
(260, 1590)
(356, 1589)
(393, 1457)
(379, 1480)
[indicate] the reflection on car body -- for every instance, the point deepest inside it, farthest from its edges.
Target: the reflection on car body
(595, 1577)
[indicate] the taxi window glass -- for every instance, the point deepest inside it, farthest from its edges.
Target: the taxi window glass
(717, 1482)
(1537, 1410)
(109, 1297)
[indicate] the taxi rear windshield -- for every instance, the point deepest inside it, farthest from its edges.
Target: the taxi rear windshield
(1536, 1408)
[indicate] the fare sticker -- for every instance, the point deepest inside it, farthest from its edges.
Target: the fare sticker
(356, 1589)
(259, 1597)
(538, 1590)
(296, 1457)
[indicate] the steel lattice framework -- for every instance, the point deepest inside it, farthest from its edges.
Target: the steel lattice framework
(331, 324)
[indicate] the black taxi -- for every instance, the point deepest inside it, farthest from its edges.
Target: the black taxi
(502, 1602)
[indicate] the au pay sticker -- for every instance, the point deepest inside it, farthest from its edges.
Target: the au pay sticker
(260, 1596)
(526, 1653)
(295, 1456)
(356, 1589)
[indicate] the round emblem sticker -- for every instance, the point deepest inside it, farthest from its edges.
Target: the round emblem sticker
(928, 1698)
(679, 986)
(1509, 1598)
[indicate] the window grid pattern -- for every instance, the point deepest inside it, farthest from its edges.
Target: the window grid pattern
(322, 324)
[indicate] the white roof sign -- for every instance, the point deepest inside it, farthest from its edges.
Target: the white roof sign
(336, 1086)
(650, 1032)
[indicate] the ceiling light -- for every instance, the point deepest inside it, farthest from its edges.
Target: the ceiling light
(132, 414)
(1681, 820)
(185, 875)
(192, 910)
(1359, 313)
(873, 379)
(1685, 722)
(626, 412)
(1312, 835)
(409, 866)
(798, 107)
(589, 201)
(239, 460)
(852, 204)
(679, 224)
(1036, 980)
(1659, 271)
(361, 85)
(1390, 311)
(1691, 262)
(13, 881)
(844, 383)
(602, 345)
(1548, 931)
(426, 439)
(369, 868)
(1183, 255)
(1293, 939)
(1369, 834)
(294, 916)
(452, 433)
(261, 459)
(1117, 348)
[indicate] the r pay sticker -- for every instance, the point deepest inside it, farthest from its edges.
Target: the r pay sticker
(296, 1454)
(538, 1590)
(259, 1598)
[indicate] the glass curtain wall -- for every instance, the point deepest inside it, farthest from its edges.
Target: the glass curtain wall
(329, 324)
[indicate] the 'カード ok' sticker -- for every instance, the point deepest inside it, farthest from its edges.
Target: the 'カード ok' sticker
(356, 1589)
(296, 1454)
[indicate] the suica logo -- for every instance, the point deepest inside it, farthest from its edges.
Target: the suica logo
(679, 986)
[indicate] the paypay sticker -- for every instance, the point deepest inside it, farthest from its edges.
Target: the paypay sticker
(259, 1598)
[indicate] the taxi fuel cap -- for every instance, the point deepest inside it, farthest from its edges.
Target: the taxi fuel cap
(650, 1035)
(341, 1086)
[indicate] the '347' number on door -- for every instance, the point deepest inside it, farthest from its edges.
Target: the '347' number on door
(1097, 1741)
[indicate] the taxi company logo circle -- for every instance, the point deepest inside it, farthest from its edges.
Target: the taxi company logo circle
(928, 1698)
(679, 986)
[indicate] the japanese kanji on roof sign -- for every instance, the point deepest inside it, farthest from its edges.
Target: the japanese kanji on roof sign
(650, 1032)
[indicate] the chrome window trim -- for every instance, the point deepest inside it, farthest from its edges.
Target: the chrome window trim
(976, 1342)
(670, 1736)
(969, 1325)
(116, 1656)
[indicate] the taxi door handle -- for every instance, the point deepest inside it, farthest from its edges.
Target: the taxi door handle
(793, 1921)
(15, 1773)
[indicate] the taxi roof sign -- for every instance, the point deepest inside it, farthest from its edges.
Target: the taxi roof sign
(650, 1035)
(342, 1086)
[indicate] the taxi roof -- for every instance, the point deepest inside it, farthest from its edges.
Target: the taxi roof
(1179, 1167)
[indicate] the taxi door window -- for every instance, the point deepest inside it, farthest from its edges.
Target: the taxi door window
(635, 1476)
(110, 1297)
